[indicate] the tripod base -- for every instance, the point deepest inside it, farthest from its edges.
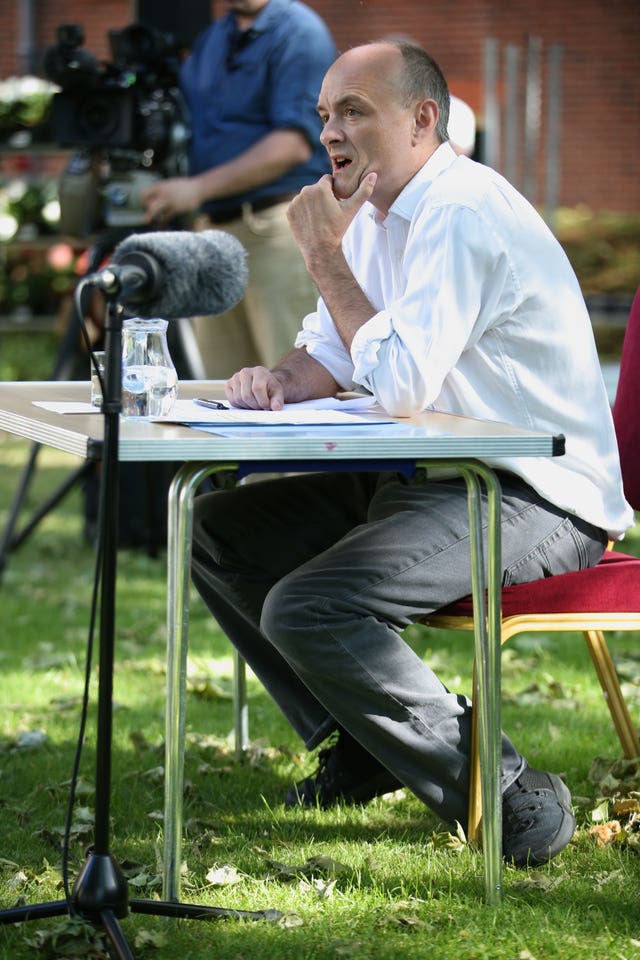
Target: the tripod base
(99, 886)
(101, 895)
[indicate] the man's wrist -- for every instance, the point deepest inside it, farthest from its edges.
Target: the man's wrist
(201, 190)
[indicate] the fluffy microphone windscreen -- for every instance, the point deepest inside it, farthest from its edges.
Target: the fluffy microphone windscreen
(199, 273)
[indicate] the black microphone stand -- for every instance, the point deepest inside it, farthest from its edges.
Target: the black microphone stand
(100, 893)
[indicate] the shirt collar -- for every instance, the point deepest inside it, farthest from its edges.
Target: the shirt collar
(274, 10)
(407, 200)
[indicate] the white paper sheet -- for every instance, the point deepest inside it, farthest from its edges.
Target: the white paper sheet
(66, 406)
(327, 411)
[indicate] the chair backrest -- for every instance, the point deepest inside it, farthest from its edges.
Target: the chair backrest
(626, 408)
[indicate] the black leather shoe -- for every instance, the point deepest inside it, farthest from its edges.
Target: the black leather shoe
(346, 773)
(537, 819)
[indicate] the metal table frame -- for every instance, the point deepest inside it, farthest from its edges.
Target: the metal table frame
(438, 439)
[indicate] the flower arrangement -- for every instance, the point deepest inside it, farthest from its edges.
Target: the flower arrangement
(24, 104)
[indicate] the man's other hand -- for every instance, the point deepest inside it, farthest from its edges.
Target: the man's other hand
(255, 388)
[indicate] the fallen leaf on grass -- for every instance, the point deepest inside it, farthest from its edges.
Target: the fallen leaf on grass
(29, 740)
(288, 920)
(626, 806)
(606, 833)
(322, 889)
(538, 881)
(601, 813)
(206, 689)
(450, 841)
(223, 876)
(203, 681)
(19, 879)
(620, 777)
(322, 865)
(617, 813)
(48, 658)
(146, 880)
(72, 937)
(347, 948)
(146, 939)
(83, 788)
(207, 769)
(548, 691)
(154, 774)
(609, 876)
(402, 920)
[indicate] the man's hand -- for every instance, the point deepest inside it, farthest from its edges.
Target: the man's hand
(166, 198)
(255, 388)
(297, 376)
(319, 221)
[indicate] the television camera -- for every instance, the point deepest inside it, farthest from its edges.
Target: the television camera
(126, 120)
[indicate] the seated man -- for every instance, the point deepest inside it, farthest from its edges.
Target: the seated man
(440, 289)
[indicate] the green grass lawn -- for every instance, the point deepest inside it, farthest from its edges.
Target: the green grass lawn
(380, 881)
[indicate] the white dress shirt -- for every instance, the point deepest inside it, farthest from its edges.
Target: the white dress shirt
(479, 313)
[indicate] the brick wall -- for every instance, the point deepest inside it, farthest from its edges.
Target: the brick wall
(600, 39)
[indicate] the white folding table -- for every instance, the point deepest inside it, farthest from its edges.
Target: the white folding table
(433, 439)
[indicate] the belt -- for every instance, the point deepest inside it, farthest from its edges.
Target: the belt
(262, 203)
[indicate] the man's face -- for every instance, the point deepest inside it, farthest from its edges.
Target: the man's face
(365, 127)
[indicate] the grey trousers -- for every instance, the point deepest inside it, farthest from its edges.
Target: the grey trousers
(313, 578)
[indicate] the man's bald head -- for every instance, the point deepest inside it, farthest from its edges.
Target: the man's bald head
(410, 69)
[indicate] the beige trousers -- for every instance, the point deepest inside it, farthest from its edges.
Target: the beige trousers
(263, 326)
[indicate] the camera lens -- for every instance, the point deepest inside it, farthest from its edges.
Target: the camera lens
(98, 117)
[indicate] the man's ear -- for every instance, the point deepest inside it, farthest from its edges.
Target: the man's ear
(425, 118)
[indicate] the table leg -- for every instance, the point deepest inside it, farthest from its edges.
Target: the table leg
(179, 537)
(486, 590)
(486, 616)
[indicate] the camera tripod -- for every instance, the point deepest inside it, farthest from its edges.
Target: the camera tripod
(100, 893)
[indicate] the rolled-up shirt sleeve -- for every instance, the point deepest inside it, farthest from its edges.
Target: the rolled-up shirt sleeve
(321, 340)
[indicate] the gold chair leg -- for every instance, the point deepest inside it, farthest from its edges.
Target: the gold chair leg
(610, 684)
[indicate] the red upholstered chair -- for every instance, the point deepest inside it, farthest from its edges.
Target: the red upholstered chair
(604, 597)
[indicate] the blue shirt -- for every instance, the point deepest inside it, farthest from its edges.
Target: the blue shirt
(239, 92)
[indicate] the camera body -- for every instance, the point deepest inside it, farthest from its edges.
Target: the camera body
(126, 120)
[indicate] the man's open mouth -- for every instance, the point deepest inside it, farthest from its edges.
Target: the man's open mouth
(341, 162)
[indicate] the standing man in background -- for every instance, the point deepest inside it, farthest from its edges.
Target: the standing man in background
(251, 83)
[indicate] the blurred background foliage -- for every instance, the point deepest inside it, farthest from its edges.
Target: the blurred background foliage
(604, 249)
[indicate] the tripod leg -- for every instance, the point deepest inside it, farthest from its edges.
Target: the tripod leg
(195, 911)
(10, 539)
(47, 505)
(115, 934)
(8, 534)
(36, 911)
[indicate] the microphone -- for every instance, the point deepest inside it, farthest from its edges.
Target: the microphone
(176, 274)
